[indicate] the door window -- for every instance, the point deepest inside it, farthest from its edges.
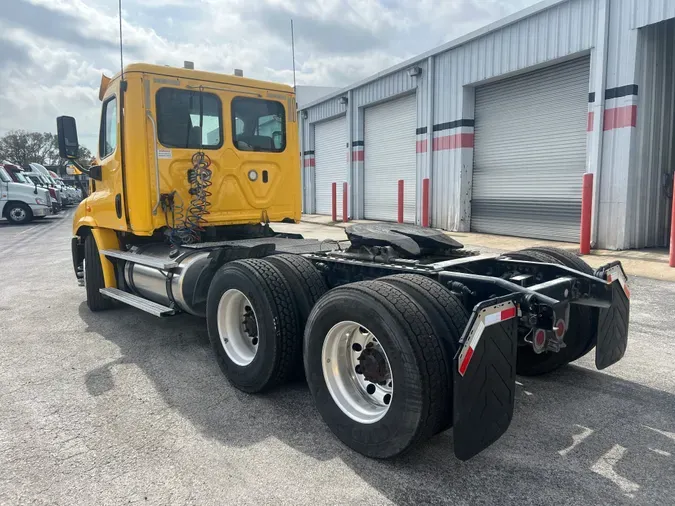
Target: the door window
(108, 136)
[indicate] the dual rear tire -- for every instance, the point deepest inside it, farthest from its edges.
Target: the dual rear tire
(377, 355)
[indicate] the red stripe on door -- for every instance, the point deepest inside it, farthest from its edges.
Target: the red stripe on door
(422, 146)
(357, 156)
(456, 141)
(620, 117)
(591, 117)
(309, 162)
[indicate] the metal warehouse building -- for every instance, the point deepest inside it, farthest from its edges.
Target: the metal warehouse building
(506, 120)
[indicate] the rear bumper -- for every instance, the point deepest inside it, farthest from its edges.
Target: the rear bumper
(484, 368)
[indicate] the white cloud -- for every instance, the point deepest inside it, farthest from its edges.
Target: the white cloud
(52, 52)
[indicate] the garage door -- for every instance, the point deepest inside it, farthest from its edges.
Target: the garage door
(389, 145)
(330, 158)
(530, 153)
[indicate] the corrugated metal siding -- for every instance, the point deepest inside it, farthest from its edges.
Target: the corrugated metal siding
(530, 153)
(648, 218)
(645, 12)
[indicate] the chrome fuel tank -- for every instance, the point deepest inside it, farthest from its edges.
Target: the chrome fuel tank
(185, 286)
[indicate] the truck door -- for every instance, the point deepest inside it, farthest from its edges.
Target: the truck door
(107, 202)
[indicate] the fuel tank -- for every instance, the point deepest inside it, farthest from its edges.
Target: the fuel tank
(184, 287)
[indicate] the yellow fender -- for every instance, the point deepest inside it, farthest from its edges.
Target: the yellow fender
(106, 239)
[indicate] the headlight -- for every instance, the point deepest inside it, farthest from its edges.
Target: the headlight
(39, 201)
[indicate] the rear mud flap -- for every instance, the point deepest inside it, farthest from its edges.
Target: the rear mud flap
(485, 378)
(613, 327)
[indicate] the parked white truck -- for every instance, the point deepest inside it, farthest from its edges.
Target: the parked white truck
(20, 202)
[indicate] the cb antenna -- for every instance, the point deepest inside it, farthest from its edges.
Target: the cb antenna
(119, 9)
(292, 51)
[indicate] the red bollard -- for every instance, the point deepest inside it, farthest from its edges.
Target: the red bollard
(334, 202)
(344, 203)
(400, 200)
(425, 202)
(672, 230)
(586, 211)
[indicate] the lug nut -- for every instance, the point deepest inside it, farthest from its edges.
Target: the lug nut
(370, 389)
(356, 347)
(358, 369)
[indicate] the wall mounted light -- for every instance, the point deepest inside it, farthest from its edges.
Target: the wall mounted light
(304, 114)
(415, 71)
(343, 100)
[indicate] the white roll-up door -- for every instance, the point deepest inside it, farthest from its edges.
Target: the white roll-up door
(530, 153)
(389, 145)
(330, 158)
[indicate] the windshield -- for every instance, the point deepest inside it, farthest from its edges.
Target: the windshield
(4, 177)
(20, 178)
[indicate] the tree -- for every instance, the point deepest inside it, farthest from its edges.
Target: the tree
(21, 147)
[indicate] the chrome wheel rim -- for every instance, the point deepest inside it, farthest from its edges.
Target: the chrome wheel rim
(238, 327)
(18, 214)
(357, 372)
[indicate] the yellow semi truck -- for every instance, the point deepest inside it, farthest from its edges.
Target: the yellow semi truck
(400, 332)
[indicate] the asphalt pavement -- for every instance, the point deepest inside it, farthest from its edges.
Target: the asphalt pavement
(119, 407)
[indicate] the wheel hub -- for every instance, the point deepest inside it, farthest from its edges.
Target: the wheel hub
(357, 372)
(249, 322)
(373, 365)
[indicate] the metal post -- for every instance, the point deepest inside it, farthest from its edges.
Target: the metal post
(425, 202)
(400, 200)
(334, 202)
(345, 202)
(586, 214)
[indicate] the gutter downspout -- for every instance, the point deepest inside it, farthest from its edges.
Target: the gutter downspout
(599, 112)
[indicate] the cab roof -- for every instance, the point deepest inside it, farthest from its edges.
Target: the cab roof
(201, 75)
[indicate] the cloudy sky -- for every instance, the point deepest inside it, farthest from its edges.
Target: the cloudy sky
(52, 52)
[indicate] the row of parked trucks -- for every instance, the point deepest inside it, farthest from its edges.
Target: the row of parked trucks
(31, 191)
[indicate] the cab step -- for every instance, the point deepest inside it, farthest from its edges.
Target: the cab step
(150, 261)
(138, 302)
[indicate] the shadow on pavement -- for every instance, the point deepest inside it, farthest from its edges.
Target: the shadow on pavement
(577, 435)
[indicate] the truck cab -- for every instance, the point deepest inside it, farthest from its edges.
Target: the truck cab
(20, 202)
(144, 180)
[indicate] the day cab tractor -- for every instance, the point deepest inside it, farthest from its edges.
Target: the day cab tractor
(399, 332)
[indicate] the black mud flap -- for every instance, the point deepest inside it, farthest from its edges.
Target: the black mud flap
(485, 377)
(613, 321)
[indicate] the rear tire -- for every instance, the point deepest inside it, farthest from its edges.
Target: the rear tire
(275, 334)
(418, 370)
(446, 313)
(93, 277)
(307, 286)
(580, 336)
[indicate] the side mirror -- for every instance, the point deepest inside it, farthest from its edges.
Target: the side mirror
(67, 134)
(95, 172)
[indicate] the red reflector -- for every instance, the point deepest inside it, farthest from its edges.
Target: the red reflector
(508, 314)
(465, 362)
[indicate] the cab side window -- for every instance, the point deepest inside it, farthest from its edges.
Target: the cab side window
(108, 135)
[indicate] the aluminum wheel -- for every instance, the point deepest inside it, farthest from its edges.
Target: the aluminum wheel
(18, 214)
(238, 327)
(357, 372)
